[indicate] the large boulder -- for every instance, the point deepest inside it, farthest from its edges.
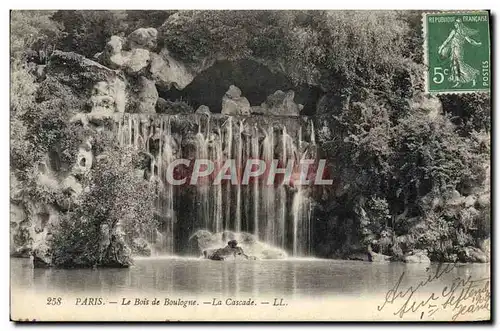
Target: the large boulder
(234, 104)
(78, 72)
(231, 251)
(472, 255)
(135, 60)
(376, 257)
(41, 256)
(166, 71)
(144, 96)
(88, 82)
(486, 247)
(207, 243)
(145, 38)
(131, 61)
(417, 257)
(20, 231)
(281, 104)
(108, 97)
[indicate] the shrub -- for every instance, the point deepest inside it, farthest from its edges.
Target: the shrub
(116, 207)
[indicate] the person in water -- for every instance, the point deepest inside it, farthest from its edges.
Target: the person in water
(453, 47)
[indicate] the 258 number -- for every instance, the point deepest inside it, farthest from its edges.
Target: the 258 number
(438, 75)
(54, 301)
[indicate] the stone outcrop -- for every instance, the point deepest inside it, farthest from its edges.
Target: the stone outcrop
(472, 254)
(78, 72)
(205, 241)
(231, 251)
(203, 110)
(234, 104)
(131, 61)
(20, 231)
(41, 256)
(280, 104)
(145, 38)
(168, 72)
(377, 257)
(417, 257)
(143, 96)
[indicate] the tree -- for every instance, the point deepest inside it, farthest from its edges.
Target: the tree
(32, 32)
(87, 31)
(116, 207)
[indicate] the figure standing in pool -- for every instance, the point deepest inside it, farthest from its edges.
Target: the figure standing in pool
(453, 47)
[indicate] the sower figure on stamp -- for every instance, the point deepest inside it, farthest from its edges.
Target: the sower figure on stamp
(453, 47)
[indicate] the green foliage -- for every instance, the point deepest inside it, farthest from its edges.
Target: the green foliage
(471, 111)
(22, 100)
(429, 154)
(414, 169)
(174, 107)
(146, 18)
(338, 49)
(377, 216)
(361, 48)
(87, 31)
(117, 207)
(22, 89)
(32, 33)
(49, 129)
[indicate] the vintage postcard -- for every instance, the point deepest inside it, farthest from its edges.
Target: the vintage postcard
(287, 165)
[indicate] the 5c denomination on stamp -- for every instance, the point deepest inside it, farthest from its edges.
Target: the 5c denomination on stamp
(457, 52)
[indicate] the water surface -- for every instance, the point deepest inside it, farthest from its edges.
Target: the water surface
(291, 278)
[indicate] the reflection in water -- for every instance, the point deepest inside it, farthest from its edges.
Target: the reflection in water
(291, 278)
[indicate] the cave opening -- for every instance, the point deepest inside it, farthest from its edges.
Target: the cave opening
(255, 81)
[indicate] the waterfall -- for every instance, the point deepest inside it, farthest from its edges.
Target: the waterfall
(239, 152)
(215, 198)
(202, 206)
(255, 183)
(166, 196)
(278, 213)
(229, 156)
(268, 191)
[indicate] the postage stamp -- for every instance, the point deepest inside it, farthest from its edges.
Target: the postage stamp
(457, 52)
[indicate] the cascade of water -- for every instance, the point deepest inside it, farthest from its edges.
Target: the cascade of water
(202, 188)
(215, 198)
(167, 194)
(275, 213)
(282, 196)
(297, 204)
(313, 133)
(268, 191)
(247, 188)
(229, 155)
(255, 185)
(239, 152)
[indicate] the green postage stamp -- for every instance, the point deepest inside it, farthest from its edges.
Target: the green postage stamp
(457, 52)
